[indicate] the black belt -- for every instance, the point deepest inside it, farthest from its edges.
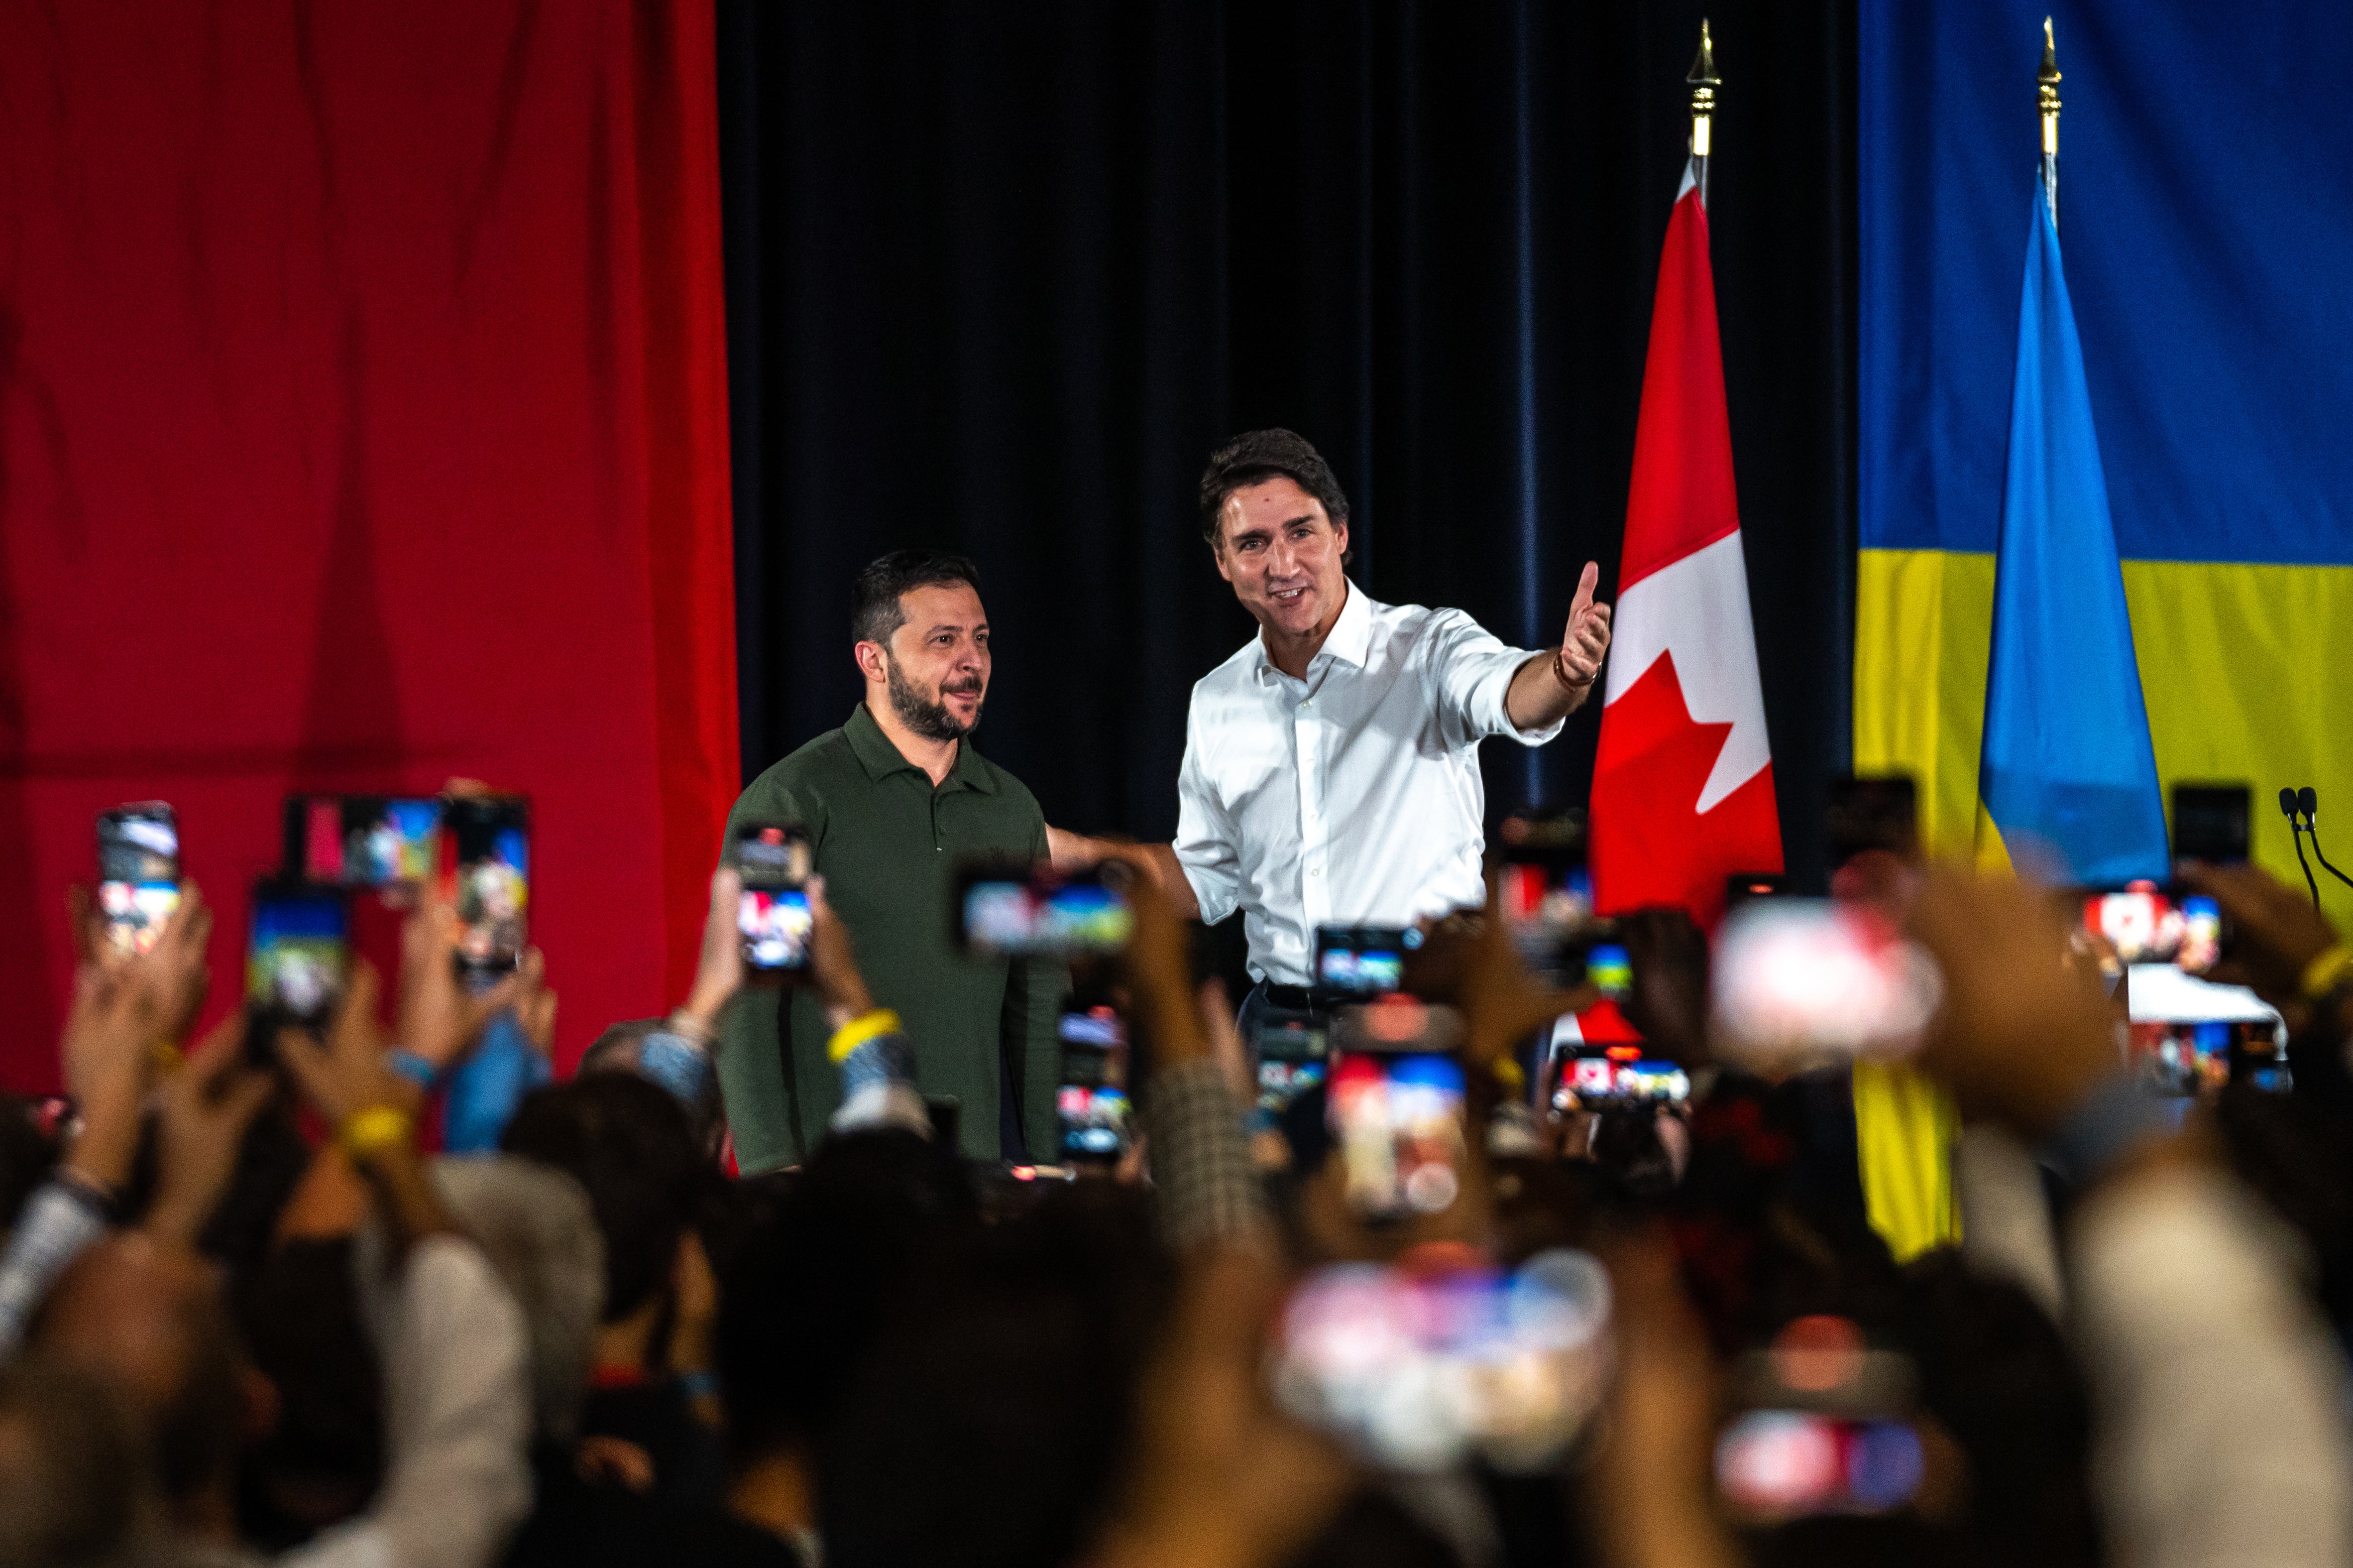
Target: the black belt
(1295, 998)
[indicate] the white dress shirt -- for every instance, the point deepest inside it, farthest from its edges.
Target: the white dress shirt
(1351, 797)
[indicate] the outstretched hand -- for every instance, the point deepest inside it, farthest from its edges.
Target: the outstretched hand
(1586, 643)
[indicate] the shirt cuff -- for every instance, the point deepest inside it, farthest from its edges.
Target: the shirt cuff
(1492, 710)
(1217, 895)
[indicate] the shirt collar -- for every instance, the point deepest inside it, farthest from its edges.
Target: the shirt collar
(1351, 637)
(880, 759)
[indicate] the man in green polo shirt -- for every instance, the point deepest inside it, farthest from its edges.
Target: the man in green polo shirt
(892, 800)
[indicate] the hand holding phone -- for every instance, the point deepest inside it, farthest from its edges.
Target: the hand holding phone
(1092, 1105)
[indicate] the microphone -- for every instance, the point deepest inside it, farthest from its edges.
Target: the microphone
(2308, 801)
(2288, 804)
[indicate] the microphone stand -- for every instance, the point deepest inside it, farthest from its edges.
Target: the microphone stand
(2312, 826)
(2295, 831)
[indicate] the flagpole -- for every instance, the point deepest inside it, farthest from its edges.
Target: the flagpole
(1703, 82)
(2046, 98)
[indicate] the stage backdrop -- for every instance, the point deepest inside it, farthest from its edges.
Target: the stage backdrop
(363, 422)
(2205, 214)
(1001, 276)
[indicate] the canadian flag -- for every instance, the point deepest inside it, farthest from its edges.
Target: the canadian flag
(1683, 789)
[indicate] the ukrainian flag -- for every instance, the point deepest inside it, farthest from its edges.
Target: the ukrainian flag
(2066, 766)
(2208, 218)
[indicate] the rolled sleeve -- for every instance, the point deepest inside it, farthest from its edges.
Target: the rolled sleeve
(1470, 671)
(1205, 843)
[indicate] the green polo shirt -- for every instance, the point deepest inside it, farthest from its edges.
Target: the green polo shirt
(887, 843)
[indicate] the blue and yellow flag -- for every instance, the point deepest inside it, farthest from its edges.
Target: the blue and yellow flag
(2066, 764)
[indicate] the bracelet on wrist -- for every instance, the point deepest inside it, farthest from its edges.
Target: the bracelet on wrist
(371, 1131)
(1560, 673)
(858, 1030)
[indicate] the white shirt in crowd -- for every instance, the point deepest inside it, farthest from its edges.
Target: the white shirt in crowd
(1351, 797)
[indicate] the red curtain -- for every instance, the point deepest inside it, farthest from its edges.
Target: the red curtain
(362, 422)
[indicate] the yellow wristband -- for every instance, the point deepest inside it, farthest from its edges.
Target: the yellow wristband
(2327, 972)
(858, 1031)
(374, 1130)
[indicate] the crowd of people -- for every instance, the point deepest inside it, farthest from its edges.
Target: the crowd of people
(244, 1312)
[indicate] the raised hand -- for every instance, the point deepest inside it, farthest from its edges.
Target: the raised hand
(1586, 643)
(440, 1018)
(345, 1074)
(206, 1108)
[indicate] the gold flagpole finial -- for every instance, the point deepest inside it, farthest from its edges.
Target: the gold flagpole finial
(2047, 92)
(1703, 82)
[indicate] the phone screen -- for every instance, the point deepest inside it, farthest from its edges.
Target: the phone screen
(1399, 1121)
(2148, 924)
(1362, 961)
(1620, 1076)
(137, 873)
(1772, 1466)
(490, 838)
(2209, 823)
(1808, 978)
(363, 840)
(300, 952)
(1294, 1051)
(1007, 913)
(772, 913)
(1415, 1370)
(1092, 1106)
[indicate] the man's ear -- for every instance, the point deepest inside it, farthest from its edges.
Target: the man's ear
(870, 664)
(1340, 537)
(1218, 554)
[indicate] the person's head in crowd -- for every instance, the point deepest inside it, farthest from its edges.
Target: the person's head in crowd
(627, 1144)
(1997, 1377)
(811, 1284)
(620, 1049)
(990, 1424)
(73, 1472)
(536, 1227)
(323, 1457)
(922, 641)
(1277, 524)
(149, 1316)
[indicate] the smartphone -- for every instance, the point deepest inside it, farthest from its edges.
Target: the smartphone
(1822, 1427)
(363, 840)
(488, 837)
(1868, 814)
(1091, 1107)
(300, 959)
(2147, 923)
(1362, 961)
(1017, 911)
(2211, 822)
(137, 873)
(1799, 980)
(771, 914)
(1294, 1051)
(1397, 1117)
(1415, 1370)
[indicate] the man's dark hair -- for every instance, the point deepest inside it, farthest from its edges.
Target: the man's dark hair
(1255, 456)
(874, 608)
(627, 1143)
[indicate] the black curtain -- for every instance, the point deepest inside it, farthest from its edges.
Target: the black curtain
(999, 276)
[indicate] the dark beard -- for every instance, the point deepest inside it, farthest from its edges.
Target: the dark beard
(926, 717)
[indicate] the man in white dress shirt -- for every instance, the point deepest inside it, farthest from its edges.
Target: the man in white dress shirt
(1331, 772)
